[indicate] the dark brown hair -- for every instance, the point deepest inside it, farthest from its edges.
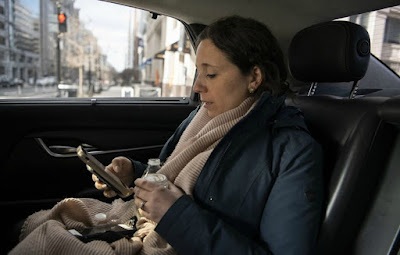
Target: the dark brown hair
(248, 43)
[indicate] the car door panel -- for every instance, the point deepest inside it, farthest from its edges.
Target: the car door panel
(35, 177)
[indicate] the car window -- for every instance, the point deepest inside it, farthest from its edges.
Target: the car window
(90, 48)
(383, 27)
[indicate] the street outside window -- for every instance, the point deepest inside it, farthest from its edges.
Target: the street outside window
(90, 48)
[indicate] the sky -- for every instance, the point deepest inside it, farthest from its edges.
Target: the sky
(33, 5)
(109, 24)
(107, 21)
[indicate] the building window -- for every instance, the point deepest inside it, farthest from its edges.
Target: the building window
(2, 40)
(2, 10)
(2, 70)
(1, 25)
(392, 31)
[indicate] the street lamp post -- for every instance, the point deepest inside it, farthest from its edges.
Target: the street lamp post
(58, 48)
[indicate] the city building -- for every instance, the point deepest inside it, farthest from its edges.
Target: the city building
(169, 59)
(26, 43)
(19, 41)
(134, 55)
(48, 38)
(82, 60)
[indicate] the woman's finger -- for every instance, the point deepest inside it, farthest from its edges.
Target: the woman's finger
(96, 179)
(144, 214)
(100, 185)
(110, 168)
(142, 193)
(136, 191)
(147, 185)
(140, 203)
(109, 193)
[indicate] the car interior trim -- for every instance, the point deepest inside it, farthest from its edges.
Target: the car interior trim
(68, 151)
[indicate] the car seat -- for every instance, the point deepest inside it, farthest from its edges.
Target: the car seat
(355, 140)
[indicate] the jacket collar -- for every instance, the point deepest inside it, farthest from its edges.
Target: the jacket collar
(272, 110)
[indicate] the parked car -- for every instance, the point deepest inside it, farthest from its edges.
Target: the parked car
(47, 81)
(4, 82)
(17, 82)
(357, 127)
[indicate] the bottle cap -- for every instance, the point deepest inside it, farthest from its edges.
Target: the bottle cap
(154, 162)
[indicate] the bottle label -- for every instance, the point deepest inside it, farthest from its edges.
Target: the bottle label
(159, 178)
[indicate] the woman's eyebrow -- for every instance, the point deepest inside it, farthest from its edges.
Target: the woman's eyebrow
(207, 65)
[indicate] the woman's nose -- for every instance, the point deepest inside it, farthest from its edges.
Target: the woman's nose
(198, 87)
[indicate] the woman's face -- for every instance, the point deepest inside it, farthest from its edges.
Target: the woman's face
(219, 82)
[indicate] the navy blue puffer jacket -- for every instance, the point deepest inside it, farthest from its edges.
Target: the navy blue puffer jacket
(260, 191)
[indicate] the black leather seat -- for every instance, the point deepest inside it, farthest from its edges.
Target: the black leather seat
(380, 232)
(355, 140)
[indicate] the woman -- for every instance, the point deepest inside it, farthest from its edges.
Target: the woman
(245, 175)
(260, 187)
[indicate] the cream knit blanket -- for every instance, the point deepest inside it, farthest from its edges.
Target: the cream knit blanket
(45, 232)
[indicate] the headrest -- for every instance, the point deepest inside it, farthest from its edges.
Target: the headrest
(335, 51)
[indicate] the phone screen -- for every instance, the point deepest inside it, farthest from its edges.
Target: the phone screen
(97, 168)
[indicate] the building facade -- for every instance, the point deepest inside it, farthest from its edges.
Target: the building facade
(19, 41)
(168, 59)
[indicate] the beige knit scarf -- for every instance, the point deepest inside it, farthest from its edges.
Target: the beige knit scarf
(44, 231)
(197, 142)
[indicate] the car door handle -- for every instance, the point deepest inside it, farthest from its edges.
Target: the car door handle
(65, 151)
(62, 151)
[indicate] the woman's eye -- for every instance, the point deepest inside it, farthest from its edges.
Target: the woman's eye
(211, 75)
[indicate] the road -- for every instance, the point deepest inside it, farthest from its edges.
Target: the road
(114, 91)
(28, 91)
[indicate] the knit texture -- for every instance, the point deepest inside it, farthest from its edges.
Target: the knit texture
(45, 232)
(197, 142)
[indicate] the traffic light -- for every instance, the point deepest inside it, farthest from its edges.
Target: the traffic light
(62, 22)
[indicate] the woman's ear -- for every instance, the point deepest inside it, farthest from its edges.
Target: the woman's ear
(256, 78)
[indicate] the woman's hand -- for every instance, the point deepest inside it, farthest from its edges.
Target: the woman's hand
(122, 168)
(153, 199)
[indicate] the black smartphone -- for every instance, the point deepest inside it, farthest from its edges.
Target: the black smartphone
(98, 169)
(105, 233)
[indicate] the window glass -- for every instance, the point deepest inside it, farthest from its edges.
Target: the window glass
(383, 27)
(93, 49)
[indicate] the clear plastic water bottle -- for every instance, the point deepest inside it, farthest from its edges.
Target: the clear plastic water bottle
(153, 165)
(150, 174)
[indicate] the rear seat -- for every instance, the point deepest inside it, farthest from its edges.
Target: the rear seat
(380, 231)
(355, 140)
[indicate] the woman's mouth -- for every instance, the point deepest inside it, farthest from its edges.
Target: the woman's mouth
(205, 103)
